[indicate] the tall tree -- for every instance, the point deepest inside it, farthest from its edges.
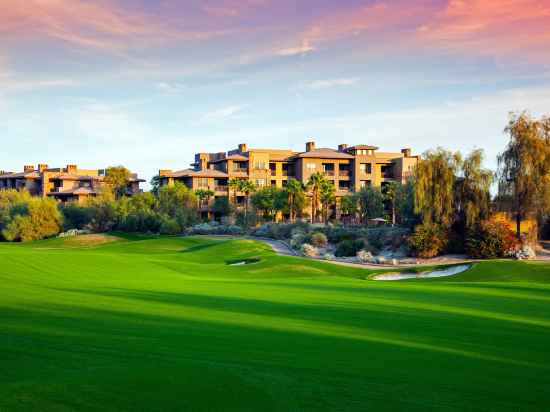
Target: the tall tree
(117, 178)
(314, 186)
(247, 187)
(234, 184)
(203, 195)
(390, 192)
(295, 197)
(349, 206)
(524, 168)
(472, 190)
(371, 203)
(434, 184)
(327, 197)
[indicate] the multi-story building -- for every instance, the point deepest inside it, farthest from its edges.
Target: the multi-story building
(349, 168)
(64, 184)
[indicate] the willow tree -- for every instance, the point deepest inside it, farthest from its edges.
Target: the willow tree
(434, 184)
(524, 168)
(473, 197)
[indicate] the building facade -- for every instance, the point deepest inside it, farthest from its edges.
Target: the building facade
(63, 184)
(348, 168)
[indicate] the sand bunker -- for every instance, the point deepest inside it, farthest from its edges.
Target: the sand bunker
(438, 273)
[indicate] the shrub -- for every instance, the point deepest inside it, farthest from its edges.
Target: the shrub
(169, 226)
(297, 240)
(319, 239)
(349, 247)
(75, 216)
(428, 240)
(309, 250)
(490, 240)
(364, 256)
(35, 219)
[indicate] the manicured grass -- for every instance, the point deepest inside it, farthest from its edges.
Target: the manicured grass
(160, 324)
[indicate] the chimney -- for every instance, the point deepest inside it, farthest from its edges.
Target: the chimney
(42, 167)
(71, 169)
(342, 147)
(310, 146)
(242, 148)
(406, 152)
(28, 168)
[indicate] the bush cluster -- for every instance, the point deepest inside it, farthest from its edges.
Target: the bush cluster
(490, 240)
(428, 240)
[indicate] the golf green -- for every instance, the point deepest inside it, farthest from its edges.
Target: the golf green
(105, 323)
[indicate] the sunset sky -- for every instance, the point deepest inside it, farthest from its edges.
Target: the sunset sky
(149, 83)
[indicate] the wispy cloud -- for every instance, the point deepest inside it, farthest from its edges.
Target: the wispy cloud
(98, 25)
(170, 87)
(328, 83)
(223, 113)
(302, 49)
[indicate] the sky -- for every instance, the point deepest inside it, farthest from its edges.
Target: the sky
(147, 84)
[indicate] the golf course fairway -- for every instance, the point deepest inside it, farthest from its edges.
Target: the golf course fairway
(111, 323)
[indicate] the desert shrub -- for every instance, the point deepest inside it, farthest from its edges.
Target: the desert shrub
(319, 239)
(490, 240)
(349, 247)
(309, 250)
(169, 226)
(428, 240)
(364, 256)
(214, 228)
(32, 219)
(297, 240)
(75, 216)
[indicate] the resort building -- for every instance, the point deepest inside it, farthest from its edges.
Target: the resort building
(64, 184)
(348, 168)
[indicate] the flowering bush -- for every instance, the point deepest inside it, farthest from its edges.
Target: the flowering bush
(491, 240)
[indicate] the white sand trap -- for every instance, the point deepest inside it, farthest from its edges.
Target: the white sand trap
(439, 273)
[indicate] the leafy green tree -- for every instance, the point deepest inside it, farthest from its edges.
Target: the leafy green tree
(349, 205)
(524, 168)
(434, 185)
(179, 203)
(314, 186)
(118, 178)
(222, 206)
(404, 204)
(267, 202)
(295, 194)
(155, 185)
(26, 218)
(371, 203)
(247, 187)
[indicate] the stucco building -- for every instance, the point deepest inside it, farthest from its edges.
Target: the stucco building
(64, 184)
(349, 168)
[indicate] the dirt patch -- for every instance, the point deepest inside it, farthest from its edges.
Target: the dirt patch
(89, 240)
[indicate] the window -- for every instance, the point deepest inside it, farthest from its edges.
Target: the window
(364, 183)
(311, 166)
(203, 182)
(344, 185)
(365, 168)
(259, 164)
(273, 183)
(273, 168)
(260, 182)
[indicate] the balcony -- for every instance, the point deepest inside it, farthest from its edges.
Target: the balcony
(388, 175)
(328, 172)
(220, 188)
(288, 173)
(240, 170)
(344, 173)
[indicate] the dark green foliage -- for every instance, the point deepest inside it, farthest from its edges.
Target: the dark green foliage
(76, 216)
(349, 247)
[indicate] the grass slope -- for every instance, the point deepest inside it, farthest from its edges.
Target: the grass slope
(160, 324)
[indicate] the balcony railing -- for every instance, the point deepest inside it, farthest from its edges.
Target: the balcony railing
(344, 173)
(388, 175)
(240, 170)
(329, 172)
(220, 188)
(288, 173)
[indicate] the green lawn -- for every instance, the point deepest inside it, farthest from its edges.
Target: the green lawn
(165, 324)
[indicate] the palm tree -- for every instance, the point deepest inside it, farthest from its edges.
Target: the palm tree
(234, 184)
(295, 195)
(390, 195)
(314, 185)
(202, 195)
(327, 197)
(247, 187)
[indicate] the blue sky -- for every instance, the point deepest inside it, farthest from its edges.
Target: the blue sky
(147, 85)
